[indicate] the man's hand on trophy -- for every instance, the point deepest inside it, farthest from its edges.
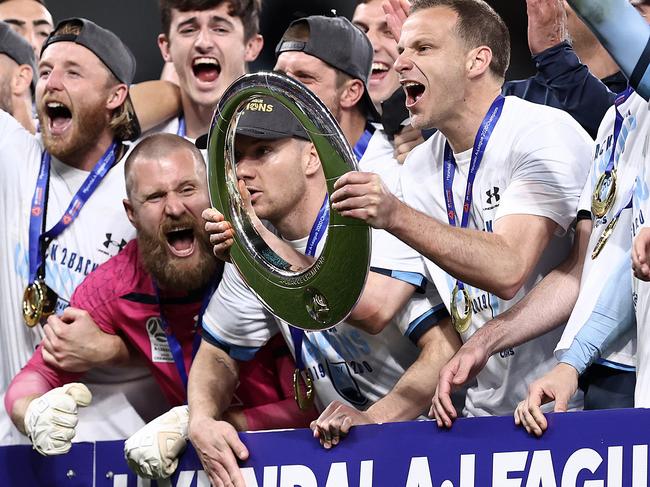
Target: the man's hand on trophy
(221, 233)
(153, 451)
(50, 419)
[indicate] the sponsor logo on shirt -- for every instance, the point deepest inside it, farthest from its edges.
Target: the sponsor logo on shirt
(493, 198)
(110, 243)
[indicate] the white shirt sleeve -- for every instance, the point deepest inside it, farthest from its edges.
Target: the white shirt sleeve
(548, 173)
(235, 317)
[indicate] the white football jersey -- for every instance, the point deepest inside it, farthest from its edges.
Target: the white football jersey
(535, 163)
(595, 272)
(99, 232)
(345, 363)
(638, 151)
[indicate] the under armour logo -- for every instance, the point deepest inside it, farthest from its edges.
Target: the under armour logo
(493, 193)
(109, 241)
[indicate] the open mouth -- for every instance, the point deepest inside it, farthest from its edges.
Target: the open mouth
(59, 116)
(414, 92)
(181, 241)
(206, 69)
(379, 71)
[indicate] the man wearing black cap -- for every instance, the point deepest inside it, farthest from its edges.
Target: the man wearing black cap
(62, 204)
(356, 375)
(17, 76)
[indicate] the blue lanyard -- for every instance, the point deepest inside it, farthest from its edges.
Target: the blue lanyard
(181, 131)
(449, 166)
(319, 228)
(315, 236)
(360, 147)
(618, 125)
(174, 345)
(38, 241)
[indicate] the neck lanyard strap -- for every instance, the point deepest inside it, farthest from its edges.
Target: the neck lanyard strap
(618, 125)
(182, 130)
(449, 166)
(318, 228)
(174, 345)
(360, 147)
(315, 236)
(39, 241)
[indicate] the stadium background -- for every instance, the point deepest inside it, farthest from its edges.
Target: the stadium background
(137, 22)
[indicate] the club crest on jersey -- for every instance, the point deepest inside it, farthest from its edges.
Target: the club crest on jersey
(160, 351)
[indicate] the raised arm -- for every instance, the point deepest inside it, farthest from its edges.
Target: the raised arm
(155, 102)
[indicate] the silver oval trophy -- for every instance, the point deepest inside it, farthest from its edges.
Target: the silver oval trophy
(322, 294)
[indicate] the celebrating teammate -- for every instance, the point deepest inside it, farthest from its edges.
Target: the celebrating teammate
(62, 202)
(363, 372)
(209, 44)
(513, 195)
(152, 294)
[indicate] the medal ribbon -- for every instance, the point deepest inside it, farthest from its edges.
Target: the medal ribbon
(38, 241)
(181, 131)
(360, 147)
(174, 345)
(315, 236)
(618, 125)
(449, 166)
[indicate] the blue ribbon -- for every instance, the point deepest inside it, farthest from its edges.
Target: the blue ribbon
(38, 241)
(174, 345)
(449, 166)
(315, 236)
(618, 125)
(360, 147)
(181, 127)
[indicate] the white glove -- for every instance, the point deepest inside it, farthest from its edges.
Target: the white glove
(50, 419)
(152, 452)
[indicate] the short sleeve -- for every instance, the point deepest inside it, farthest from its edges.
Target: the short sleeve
(549, 172)
(421, 313)
(235, 320)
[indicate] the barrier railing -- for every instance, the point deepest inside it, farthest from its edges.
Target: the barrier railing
(584, 449)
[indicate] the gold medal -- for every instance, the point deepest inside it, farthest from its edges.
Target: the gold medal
(604, 193)
(39, 302)
(305, 401)
(460, 321)
(602, 240)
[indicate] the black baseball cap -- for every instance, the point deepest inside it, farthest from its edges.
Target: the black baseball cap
(339, 43)
(265, 118)
(110, 50)
(17, 48)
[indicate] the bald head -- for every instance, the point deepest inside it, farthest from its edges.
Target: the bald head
(160, 147)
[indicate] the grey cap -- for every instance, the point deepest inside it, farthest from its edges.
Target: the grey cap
(264, 118)
(109, 48)
(339, 43)
(17, 48)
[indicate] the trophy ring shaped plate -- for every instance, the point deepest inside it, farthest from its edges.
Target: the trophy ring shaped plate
(322, 295)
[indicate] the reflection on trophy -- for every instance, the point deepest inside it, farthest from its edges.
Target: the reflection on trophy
(307, 264)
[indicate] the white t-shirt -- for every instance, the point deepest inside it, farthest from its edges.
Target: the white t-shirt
(535, 163)
(595, 272)
(638, 151)
(99, 232)
(345, 363)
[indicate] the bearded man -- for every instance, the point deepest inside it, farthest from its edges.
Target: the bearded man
(152, 295)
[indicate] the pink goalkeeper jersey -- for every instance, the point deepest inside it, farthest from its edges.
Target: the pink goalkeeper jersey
(120, 297)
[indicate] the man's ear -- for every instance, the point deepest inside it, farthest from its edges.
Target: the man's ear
(22, 80)
(253, 48)
(312, 161)
(351, 93)
(117, 96)
(478, 61)
(128, 207)
(163, 45)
